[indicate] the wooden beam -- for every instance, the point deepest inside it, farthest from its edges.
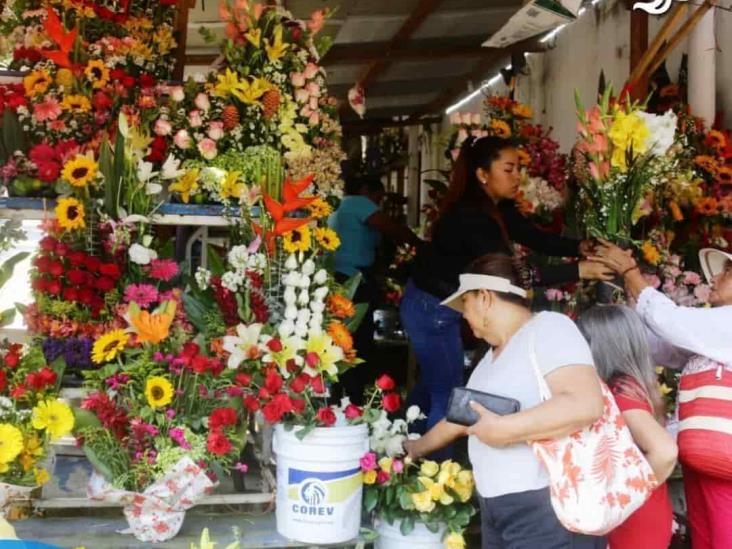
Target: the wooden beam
(181, 36)
(638, 45)
(363, 127)
(376, 67)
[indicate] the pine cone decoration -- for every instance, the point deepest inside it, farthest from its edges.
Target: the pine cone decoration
(230, 116)
(271, 103)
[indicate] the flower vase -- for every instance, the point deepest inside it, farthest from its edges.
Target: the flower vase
(391, 537)
(157, 513)
(319, 483)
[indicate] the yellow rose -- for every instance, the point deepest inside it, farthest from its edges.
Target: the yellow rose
(369, 477)
(435, 489)
(429, 468)
(444, 477)
(423, 502)
(385, 464)
(446, 499)
(464, 491)
(454, 541)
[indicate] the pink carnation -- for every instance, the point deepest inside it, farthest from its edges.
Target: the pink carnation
(142, 294)
(163, 269)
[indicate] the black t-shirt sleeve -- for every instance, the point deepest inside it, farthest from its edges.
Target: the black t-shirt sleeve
(525, 232)
(549, 275)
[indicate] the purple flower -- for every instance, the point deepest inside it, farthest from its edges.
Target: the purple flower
(170, 413)
(178, 435)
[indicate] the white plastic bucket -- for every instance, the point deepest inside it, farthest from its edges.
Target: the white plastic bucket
(390, 537)
(319, 483)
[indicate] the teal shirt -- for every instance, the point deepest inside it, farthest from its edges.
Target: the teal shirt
(358, 240)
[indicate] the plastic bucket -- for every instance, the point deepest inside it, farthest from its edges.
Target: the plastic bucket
(319, 483)
(390, 537)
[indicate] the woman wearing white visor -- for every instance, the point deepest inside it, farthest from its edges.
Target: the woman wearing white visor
(705, 389)
(513, 484)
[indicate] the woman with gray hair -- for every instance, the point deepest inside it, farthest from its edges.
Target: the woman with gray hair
(620, 350)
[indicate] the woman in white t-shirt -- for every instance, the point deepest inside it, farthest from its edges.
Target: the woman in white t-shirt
(512, 483)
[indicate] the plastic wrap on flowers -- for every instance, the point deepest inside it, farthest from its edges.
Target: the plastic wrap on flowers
(12, 492)
(157, 513)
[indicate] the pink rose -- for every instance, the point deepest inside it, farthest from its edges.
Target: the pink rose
(368, 462)
(162, 127)
(397, 466)
(194, 117)
(702, 292)
(207, 148)
(202, 102)
(182, 139)
(297, 79)
(690, 277)
(313, 89)
(176, 93)
(302, 95)
(311, 70)
(216, 130)
(313, 103)
(314, 119)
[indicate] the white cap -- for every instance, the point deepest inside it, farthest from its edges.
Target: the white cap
(469, 282)
(713, 262)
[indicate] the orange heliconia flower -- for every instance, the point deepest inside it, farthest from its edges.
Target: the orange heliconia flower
(340, 306)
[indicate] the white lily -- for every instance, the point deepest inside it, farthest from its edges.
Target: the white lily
(145, 171)
(244, 345)
(291, 263)
(171, 167)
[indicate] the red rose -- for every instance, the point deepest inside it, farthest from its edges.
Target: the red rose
(70, 294)
(128, 81)
(86, 296)
(18, 391)
(318, 385)
(276, 408)
(218, 444)
(42, 263)
(76, 259)
(274, 345)
(326, 417)
(251, 403)
(3, 381)
(221, 417)
(62, 249)
(391, 402)
(56, 268)
(77, 277)
(382, 477)
(147, 81)
(385, 383)
(101, 101)
(48, 171)
(155, 155)
(352, 411)
(12, 360)
(111, 270)
(93, 264)
(273, 381)
(117, 74)
(48, 243)
(243, 379)
(53, 287)
(299, 384)
(105, 284)
(298, 405)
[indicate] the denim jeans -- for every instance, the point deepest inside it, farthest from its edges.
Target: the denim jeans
(434, 332)
(526, 520)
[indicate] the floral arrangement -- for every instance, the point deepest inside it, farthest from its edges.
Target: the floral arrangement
(31, 414)
(626, 154)
(399, 490)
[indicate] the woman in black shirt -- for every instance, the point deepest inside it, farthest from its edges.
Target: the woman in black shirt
(478, 216)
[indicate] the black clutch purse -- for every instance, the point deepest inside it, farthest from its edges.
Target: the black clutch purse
(459, 410)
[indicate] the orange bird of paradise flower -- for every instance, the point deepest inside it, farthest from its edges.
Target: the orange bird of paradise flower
(152, 327)
(65, 40)
(277, 210)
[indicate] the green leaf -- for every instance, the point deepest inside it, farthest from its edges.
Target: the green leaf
(196, 311)
(216, 264)
(98, 464)
(370, 499)
(369, 535)
(305, 431)
(8, 266)
(351, 285)
(7, 316)
(118, 171)
(405, 500)
(168, 250)
(407, 525)
(84, 419)
(433, 527)
(106, 168)
(355, 321)
(390, 495)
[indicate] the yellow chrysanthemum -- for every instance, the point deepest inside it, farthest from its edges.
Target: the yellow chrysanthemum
(65, 78)
(80, 171)
(158, 392)
(37, 82)
(319, 208)
(109, 345)
(369, 477)
(454, 541)
(97, 73)
(70, 214)
(32, 452)
(501, 128)
(41, 476)
(54, 416)
(186, 185)
(11, 443)
(76, 104)
(327, 238)
(297, 240)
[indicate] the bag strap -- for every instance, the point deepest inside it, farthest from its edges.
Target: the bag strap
(544, 391)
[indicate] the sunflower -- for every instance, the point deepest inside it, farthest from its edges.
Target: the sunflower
(158, 392)
(70, 214)
(80, 171)
(724, 174)
(54, 416)
(501, 128)
(97, 73)
(319, 208)
(340, 334)
(297, 240)
(11, 442)
(76, 103)
(37, 82)
(706, 163)
(340, 306)
(522, 111)
(109, 345)
(524, 157)
(327, 238)
(716, 139)
(707, 206)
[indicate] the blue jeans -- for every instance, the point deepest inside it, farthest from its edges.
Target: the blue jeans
(434, 332)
